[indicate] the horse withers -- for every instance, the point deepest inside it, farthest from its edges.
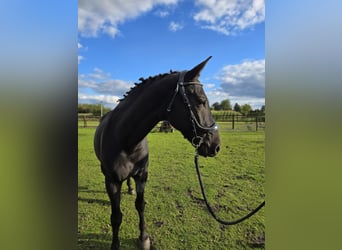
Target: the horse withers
(120, 139)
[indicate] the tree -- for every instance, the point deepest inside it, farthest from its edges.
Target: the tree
(237, 107)
(216, 106)
(94, 109)
(225, 105)
(263, 109)
(245, 109)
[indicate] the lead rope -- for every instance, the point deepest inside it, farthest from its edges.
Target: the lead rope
(196, 142)
(209, 207)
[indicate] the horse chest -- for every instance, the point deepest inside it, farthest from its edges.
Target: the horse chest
(122, 166)
(126, 165)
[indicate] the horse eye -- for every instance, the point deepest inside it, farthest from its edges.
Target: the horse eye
(202, 99)
(198, 94)
(191, 89)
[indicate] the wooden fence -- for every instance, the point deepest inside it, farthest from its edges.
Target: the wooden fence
(88, 120)
(241, 122)
(226, 122)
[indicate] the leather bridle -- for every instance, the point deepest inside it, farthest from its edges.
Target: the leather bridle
(197, 141)
(180, 88)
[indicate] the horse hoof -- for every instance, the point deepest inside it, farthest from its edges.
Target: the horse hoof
(145, 244)
(115, 246)
(131, 191)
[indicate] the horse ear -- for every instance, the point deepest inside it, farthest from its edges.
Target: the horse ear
(194, 73)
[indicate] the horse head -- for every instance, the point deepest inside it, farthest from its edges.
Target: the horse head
(190, 113)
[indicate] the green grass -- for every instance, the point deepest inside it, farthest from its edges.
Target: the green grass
(175, 215)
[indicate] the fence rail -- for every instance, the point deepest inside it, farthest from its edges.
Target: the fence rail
(242, 122)
(226, 122)
(88, 121)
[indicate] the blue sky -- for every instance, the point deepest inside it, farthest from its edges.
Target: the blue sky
(120, 41)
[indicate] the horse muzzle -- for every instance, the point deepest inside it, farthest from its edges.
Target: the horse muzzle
(206, 148)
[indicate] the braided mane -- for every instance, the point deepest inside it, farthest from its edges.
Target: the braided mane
(144, 82)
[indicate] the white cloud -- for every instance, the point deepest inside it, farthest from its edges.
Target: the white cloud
(242, 83)
(82, 48)
(175, 26)
(80, 58)
(101, 82)
(162, 13)
(216, 96)
(104, 16)
(219, 95)
(107, 100)
(98, 74)
(229, 17)
(245, 79)
(256, 103)
(209, 85)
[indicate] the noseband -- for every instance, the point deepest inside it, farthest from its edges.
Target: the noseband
(180, 88)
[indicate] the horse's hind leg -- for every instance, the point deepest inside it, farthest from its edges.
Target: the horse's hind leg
(113, 189)
(144, 240)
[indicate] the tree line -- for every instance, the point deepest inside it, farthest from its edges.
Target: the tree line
(245, 109)
(94, 109)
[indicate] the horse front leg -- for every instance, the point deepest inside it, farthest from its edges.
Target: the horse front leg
(113, 189)
(144, 240)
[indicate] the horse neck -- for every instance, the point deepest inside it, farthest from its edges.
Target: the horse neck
(138, 114)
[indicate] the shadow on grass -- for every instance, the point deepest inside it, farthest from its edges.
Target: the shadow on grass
(92, 200)
(87, 190)
(93, 241)
(103, 242)
(98, 201)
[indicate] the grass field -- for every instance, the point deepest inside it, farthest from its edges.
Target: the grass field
(175, 214)
(90, 123)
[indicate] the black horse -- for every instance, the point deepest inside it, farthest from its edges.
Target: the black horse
(120, 139)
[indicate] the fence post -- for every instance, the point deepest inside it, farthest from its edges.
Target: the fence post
(256, 123)
(233, 125)
(84, 121)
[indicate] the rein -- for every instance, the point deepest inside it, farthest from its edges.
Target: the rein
(209, 207)
(197, 141)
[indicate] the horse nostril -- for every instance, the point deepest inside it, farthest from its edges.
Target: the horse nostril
(217, 149)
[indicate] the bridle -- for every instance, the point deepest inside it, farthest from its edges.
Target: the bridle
(196, 125)
(197, 141)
